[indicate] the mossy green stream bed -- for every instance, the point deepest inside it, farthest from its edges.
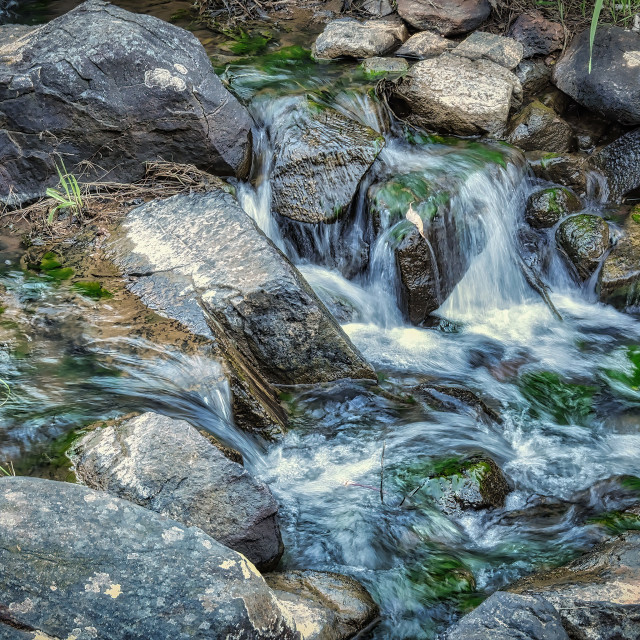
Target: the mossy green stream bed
(363, 470)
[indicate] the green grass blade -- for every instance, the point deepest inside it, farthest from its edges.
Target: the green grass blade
(594, 26)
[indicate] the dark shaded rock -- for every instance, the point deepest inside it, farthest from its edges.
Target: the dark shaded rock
(165, 465)
(115, 89)
(597, 595)
(325, 606)
(584, 239)
(425, 44)
(538, 35)
(202, 258)
(567, 169)
(556, 100)
(539, 127)
(547, 207)
(619, 162)
(453, 94)
(350, 38)
(619, 280)
(77, 562)
(444, 398)
(533, 76)
(612, 88)
(320, 158)
(509, 616)
(448, 17)
(481, 45)
(383, 66)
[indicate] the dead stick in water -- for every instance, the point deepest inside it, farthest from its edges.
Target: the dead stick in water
(538, 286)
(384, 445)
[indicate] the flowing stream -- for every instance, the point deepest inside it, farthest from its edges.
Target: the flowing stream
(566, 390)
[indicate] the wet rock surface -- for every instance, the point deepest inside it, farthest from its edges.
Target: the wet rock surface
(533, 76)
(453, 94)
(425, 44)
(619, 162)
(320, 158)
(537, 127)
(325, 606)
(481, 45)
(597, 595)
(166, 466)
(611, 88)
(619, 280)
(351, 38)
(584, 239)
(509, 616)
(547, 207)
(82, 563)
(448, 17)
(537, 34)
(200, 256)
(147, 91)
(567, 169)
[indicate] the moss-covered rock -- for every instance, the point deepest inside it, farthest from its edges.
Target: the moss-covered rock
(583, 240)
(547, 207)
(619, 281)
(567, 169)
(539, 127)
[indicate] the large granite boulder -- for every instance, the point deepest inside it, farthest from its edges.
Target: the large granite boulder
(612, 88)
(457, 95)
(537, 34)
(110, 90)
(448, 17)
(167, 466)
(539, 127)
(481, 45)
(619, 162)
(201, 259)
(347, 37)
(597, 595)
(510, 616)
(619, 280)
(320, 156)
(583, 239)
(325, 606)
(80, 563)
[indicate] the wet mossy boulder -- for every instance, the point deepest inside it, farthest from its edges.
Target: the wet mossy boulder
(320, 158)
(454, 484)
(547, 207)
(619, 280)
(567, 169)
(583, 240)
(539, 127)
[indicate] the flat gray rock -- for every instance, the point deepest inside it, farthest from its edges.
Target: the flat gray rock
(481, 45)
(201, 259)
(165, 465)
(80, 563)
(423, 45)
(117, 89)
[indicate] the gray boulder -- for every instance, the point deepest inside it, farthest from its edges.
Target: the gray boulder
(350, 38)
(583, 239)
(165, 465)
(112, 90)
(537, 34)
(539, 127)
(596, 595)
(325, 606)
(80, 563)
(425, 44)
(201, 259)
(619, 280)
(612, 88)
(481, 45)
(457, 95)
(509, 616)
(619, 162)
(384, 66)
(448, 17)
(547, 207)
(320, 158)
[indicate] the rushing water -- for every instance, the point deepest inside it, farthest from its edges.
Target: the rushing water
(566, 389)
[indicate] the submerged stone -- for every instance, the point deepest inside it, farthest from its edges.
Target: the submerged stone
(166, 466)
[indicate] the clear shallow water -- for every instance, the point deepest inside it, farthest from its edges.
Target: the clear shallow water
(564, 389)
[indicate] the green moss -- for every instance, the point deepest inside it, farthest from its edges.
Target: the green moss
(50, 260)
(63, 273)
(629, 376)
(487, 154)
(92, 289)
(546, 158)
(617, 521)
(632, 483)
(51, 266)
(550, 395)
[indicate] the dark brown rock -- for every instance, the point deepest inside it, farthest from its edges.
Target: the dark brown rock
(538, 35)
